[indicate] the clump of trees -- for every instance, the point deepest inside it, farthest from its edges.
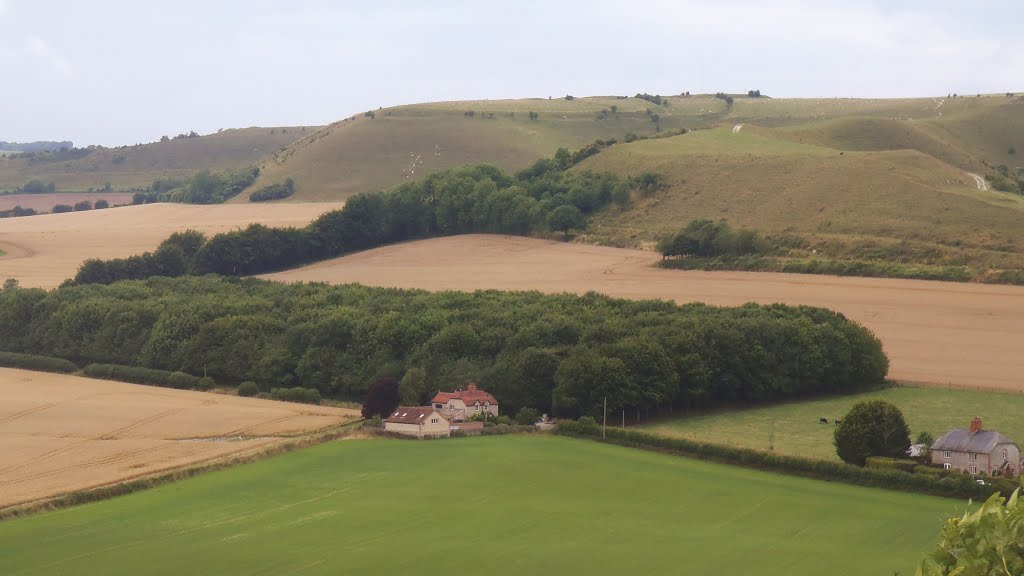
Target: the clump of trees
(381, 398)
(37, 187)
(652, 98)
(83, 206)
(753, 93)
(561, 354)
(725, 97)
(17, 212)
(704, 238)
(274, 192)
(204, 188)
(61, 208)
(872, 428)
(543, 198)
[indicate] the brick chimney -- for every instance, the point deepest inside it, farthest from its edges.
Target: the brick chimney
(472, 388)
(975, 425)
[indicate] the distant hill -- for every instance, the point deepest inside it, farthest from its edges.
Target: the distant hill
(137, 166)
(364, 153)
(40, 146)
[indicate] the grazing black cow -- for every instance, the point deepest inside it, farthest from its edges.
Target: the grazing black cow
(823, 420)
(837, 421)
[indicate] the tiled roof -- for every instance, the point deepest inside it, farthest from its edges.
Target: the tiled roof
(470, 396)
(961, 440)
(411, 414)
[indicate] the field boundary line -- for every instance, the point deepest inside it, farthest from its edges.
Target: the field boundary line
(131, 485)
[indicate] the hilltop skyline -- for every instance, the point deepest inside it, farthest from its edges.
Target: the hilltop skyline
(142, 71)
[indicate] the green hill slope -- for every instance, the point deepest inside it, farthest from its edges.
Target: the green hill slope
(361, 154)
(137, 166)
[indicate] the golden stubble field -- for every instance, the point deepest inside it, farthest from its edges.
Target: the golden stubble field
(45, 250)
(62, 433)
(935, 333)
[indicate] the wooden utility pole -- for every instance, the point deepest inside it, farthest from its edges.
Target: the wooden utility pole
(771, 439)
(604, 424)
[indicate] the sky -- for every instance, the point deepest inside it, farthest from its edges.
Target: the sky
(120, 72)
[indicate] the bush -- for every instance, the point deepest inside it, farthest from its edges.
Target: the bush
(248, 389)
(871, 428)
(83, 206)
(884, 463)
(988, 540)
(61, 208)
(205, 383)
(274, 192)
(528, 416)
(296, 394)
(101, 204)
(140, 375)
(33, 362)
(930, 470)
(587, 425)
(381, 397)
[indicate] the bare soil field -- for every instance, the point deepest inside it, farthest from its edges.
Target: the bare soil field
(45, 250)
(46, 202)
(935, 333)
(62, 433)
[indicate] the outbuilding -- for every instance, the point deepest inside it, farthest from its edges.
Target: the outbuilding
(418, 421)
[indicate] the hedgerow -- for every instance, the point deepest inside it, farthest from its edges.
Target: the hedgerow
(955, 485)
(150, 376)
(36, 362)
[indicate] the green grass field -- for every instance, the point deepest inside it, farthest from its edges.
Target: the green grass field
(502, 505)
(798, 430)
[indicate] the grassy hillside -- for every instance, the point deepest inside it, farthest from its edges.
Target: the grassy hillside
(511, 504)
(861, 200)
(137, 166)
(360, 154)
(798, 431)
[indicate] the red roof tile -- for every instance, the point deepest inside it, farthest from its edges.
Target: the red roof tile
(470, 396)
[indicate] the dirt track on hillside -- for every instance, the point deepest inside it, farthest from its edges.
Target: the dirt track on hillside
(46, 250)
(934, 332)
(64, 433)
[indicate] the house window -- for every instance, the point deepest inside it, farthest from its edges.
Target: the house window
(947, 466)
(1004, 453)
(433, 420)
(974, 457)
(438, 406)
(946, 454)
(974, 469)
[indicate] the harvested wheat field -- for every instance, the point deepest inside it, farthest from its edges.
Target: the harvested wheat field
(43, 251)
(934, 332)
(62, 433)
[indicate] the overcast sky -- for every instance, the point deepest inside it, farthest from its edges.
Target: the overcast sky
(119, 72)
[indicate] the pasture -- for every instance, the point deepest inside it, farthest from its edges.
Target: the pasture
(934, 332)
(45, 250)
(798, 431)
(60, 433)
(512, 505)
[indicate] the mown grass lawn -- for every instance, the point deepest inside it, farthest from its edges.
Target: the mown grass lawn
(798, 430)
(500, 505)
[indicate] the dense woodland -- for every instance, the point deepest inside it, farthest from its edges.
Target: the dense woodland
(556, 353)
(542, 198)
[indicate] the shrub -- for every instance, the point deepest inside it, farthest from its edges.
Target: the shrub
(989, 540)
(587, 425)
(248, 389)
(34, 362)
(140, 375)
(381, 397)
(527, 416)
(61, 208)
(296, 394)
(929, 470)
(83, 206)
(871, 428)
(274, 192)
(205, 383)
(101, 204)
(884, 463)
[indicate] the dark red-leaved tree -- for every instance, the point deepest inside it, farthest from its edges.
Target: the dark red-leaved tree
(381, 398)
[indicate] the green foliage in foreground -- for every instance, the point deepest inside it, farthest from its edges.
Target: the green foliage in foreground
(529, 504)
(798, 432)
(555, 353)
(542, 198)
(986, 542)
(871, 428)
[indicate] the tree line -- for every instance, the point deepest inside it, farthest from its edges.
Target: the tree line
(205, 187)
(561, 354)
(543, 198)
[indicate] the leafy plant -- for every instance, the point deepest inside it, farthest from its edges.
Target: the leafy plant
(986, 542)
